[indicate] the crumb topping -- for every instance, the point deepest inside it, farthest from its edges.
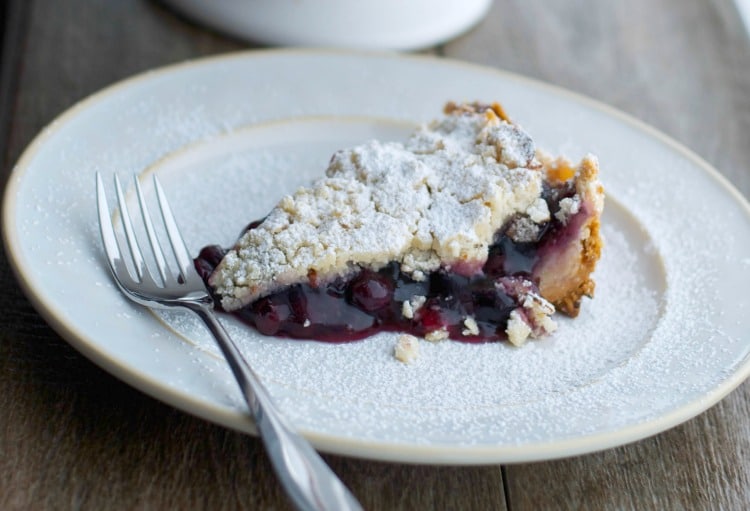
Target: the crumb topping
(569, 206)
(518, 329)
(471, 327)
(407, 349)
(437, 335)
(409, 308)
(435, 200)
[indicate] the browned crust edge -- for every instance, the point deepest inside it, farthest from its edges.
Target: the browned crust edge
(591, 251)
(567, 296)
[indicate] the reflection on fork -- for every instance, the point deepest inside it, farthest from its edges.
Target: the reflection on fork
(309, 482)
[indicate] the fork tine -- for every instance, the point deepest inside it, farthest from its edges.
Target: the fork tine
(153, 240)
(111, 247)
(127, 225)
(175, 237)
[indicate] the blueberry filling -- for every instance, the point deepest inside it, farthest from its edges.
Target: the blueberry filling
(368, 301)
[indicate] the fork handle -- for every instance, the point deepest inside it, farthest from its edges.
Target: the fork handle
(308, 481)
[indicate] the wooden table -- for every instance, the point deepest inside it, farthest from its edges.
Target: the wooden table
(72, 436)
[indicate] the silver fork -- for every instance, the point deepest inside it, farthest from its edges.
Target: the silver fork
(308, 481)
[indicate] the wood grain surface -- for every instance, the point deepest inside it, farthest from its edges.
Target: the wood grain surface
(74, 437)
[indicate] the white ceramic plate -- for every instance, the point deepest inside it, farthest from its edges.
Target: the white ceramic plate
(665, 338)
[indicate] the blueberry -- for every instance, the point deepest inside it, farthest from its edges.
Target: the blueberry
(269, 315)
(371, 291)
(208, 259)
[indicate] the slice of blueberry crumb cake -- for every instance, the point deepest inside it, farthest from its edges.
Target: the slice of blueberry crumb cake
(463, 231)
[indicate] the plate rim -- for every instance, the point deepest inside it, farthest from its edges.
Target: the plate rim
(375, 450)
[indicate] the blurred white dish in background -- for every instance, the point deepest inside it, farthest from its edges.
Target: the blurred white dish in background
(365, 24)
(743, 6)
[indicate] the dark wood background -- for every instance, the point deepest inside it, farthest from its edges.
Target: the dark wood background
(74, 437)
